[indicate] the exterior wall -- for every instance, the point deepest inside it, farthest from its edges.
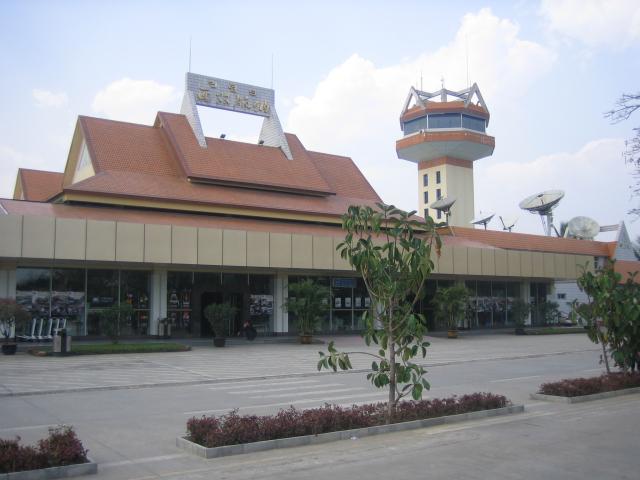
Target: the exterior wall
(455, 181)
(565, 294)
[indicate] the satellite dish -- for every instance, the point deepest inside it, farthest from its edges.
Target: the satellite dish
(508, 222)
(444, 205)
(543, 204)
(482, 220)
(583, 228)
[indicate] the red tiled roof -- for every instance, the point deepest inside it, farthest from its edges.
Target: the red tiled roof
(154, 163)
(39, 185)
(523, 241)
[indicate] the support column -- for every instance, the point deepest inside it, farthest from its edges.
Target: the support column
(525, 295)
(7, 281)
(281, 317)
(157, 299)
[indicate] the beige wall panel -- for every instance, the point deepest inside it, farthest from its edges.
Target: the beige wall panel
(584, 261)
(209, 246)
(570, 265)
(184, 245)
(322, 252)
(474, 260)
(339, 263)
(502, 267)
(301, 251)
(101, 240)
(538, 264)
(234, 248)
(257, 249)
(445, 262)
(513, 261)
(157, 243)
(526, 264)
(71, 238)
(488, 261)
(38, 237)
(129, 242)
(460, 260)
(280, 250)
(11, 235)
(548, 261)
(560, 265)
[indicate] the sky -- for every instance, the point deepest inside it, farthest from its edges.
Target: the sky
(548, 70)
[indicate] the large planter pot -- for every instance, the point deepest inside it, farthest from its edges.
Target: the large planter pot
(9, 348)
(305, 339)
(452, 333)
(219, 341)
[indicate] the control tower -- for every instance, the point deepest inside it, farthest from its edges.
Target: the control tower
(444, 133)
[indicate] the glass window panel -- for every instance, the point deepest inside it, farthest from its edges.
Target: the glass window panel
(473, 123)
(413, 126)
(179, 302)
(102, 288)
(261, 302)
(425, 180)
(444, 120)
(68, 300)
(33, 290)
(134, 290)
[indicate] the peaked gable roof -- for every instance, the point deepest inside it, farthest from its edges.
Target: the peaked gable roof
(37, 185)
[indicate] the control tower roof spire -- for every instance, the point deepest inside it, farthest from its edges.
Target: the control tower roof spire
(467, 95)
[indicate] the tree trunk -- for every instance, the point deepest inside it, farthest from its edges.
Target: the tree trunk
(604, 356)
(391, 407)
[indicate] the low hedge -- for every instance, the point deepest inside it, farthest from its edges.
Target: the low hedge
(110, 348)
(576, 387)
(61, 447)
(234, 429)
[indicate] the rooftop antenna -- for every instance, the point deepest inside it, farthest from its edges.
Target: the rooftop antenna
(420, 79)
(443, 93)
(543, 204)
(508, 223)
(444, 205)
(583, 228)
(466, 41)
(482, 219)
(189, 53)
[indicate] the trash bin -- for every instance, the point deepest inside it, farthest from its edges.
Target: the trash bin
(61, 343)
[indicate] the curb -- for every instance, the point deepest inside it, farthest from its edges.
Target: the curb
(584, 398)
(65, 471)
(215, 452)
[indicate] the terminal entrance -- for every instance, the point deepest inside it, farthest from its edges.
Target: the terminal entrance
(235, 299)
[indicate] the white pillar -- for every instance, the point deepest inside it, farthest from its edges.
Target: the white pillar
(281, 317)
(525, 295)
(7, 281)
(158, 299)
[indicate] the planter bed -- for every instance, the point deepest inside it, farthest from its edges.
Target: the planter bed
(60, 455)
(554, 330)
(575, 390)
(109, 348)
(233, 434)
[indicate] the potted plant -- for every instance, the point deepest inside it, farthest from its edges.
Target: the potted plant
(450, 305)
(309, 302)
(12, 317)
(519, 312)
(219, 316)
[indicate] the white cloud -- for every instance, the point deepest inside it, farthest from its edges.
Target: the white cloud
(354, 110)
(610, 23)
(135, 100)
(595, 180)
(45, 98)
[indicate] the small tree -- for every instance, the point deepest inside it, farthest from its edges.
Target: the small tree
(111, 318)
(219, 315)
(309, 302)
(450, 304)
(12, 317)
(392, 251)
(518, 312)
(612, 315)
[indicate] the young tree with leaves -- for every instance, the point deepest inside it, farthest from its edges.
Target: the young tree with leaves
(392, 251)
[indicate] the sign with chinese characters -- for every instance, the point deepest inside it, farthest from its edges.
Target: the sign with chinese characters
(228, 95)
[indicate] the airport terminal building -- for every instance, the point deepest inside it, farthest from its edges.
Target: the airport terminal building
(169, 220)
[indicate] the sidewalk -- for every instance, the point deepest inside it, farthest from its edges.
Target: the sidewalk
(28, 375)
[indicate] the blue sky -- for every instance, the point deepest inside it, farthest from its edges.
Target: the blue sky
(547, 70)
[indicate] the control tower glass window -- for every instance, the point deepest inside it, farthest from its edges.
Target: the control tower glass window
(444, 120)
(425, 180)
(438, 176)
(473, 123)
(413, 126)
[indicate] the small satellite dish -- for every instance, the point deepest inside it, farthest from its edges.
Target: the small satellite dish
(444, 205)
(482, 220)
(508, 222)
(583, 228)
(543, 203)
